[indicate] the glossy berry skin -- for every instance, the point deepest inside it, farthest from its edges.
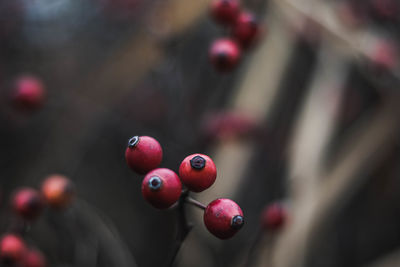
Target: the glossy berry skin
(197, 172)
(246, 30)
(161, 188)
(12, 250)
(274, 217)
(223, 218)
(224, 54)
(225, 11)
(34, 258)
(143, 154)
(58, 191)
(28, 93)
(28, 203)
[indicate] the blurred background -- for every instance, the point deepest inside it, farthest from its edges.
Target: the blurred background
(307, 118)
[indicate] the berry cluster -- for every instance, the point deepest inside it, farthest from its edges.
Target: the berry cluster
(57, 192)
(162, 187)
(225, 53)
(15, 252)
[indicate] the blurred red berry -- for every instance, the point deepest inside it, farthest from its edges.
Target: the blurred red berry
(34, 258)
(225, 125)
(197, 172)
(274, 217)
(225, 11)
(12, 250)
(385, 9)
(384, 56)
(143, 154)
(224, 54)
(223, 218)
(352, 14)
(58, 191)
(28, 203)
(28, 93)
(246, 30)
(161, 188)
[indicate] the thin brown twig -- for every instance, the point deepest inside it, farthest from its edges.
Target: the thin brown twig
(183, 228)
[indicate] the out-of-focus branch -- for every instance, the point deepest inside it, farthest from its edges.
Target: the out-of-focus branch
(390, 260)
(353, 43)
(362, 153)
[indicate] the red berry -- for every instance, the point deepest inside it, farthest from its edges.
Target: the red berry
(224, 54)
(198, 172)
(58, 191)
(161, 188)
(246, 30)
(12, 249)
(225, 11)
(223, 218)
(34, 258)
(27, 203)
(28, 93)
(274, 217)
(384, 56)
(143, 154)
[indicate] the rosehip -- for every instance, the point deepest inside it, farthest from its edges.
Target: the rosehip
(274, 217)
(28, 93)
(225, 11)
(34, 258)
(143, 154)
(27, 203)
(58, 191)
(223, 218)
(224, 54)
(161, 188)
(246, 29)
(198, 172)
(12, 249)
(384, 56)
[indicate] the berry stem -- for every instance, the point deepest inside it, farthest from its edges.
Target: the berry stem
(195, 203)
(183, 228)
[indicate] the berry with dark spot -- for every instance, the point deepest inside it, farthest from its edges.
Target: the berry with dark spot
(161, 188)
(28, 93)
(224, 54)
(197, 172)
(223, 218)
(28, 203)
(246, 30)
(143, 154)
(12, 250)
(58, 191)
